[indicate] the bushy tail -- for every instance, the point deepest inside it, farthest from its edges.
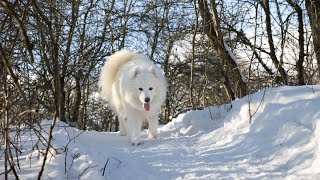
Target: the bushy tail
(110, 69)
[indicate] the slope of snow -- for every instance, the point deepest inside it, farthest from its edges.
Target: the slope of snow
(282, 142)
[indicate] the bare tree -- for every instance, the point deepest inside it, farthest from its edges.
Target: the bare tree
(265, 5)
(313, 9)
(299, 64)
(211, 25)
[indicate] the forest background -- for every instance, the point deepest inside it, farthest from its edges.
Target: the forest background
(212, 52)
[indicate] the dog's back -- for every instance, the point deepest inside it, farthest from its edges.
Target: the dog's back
(110, 70)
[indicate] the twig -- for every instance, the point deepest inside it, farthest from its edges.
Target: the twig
(12, 164)
(117, 160)
(75, 137)
(65, 161)
(74, 156)
(24, 113)
(105, 165)
(262, 100)
(40, 137)
(8, 7)
(87, 168)
(66, 152)
(210, 113)
(249, 104)
(13, 76)
(15, 147)
(9, 170)
(48, 146)
(104, 168)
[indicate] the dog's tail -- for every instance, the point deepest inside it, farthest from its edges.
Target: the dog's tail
(110, 70)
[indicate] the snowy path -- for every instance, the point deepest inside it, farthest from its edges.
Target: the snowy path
(281, 143)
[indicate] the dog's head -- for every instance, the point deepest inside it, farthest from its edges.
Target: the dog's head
(147, 86)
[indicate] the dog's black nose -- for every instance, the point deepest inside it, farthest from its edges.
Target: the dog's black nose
(147, 99)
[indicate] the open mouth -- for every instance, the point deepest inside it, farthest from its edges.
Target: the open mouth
(146, 106)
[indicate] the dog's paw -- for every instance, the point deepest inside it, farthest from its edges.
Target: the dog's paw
(136, 144)
(152, 136)
(135, 141)
(123, 133)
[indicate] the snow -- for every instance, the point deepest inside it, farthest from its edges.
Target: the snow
(282, 142)
(232, 57)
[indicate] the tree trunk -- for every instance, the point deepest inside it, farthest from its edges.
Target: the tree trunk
(167, 109)
(62, 100)
(5, 123)
(313, 9)
(193, 58)
(76, 107)
(212, 30)
(278, 65)
(227, 86)
(299, 64)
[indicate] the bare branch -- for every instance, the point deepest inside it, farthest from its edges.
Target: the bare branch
(22, 30)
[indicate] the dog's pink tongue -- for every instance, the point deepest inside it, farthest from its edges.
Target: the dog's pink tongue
(146, 106)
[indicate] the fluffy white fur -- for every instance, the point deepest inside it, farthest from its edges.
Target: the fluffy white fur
(127, 81)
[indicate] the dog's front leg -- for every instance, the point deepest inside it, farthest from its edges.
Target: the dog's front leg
(153, 127)
(134, 123)
(122, 126)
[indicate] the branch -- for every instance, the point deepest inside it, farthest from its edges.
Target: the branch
(283, 73)
(247, 42)
(22, 30)
(24, 113)
(48, 146)
(14, 77)
(87, 168)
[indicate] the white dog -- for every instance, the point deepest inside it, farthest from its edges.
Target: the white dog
(135, 88)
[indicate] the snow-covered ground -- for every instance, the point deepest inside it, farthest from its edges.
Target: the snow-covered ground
(282, 142)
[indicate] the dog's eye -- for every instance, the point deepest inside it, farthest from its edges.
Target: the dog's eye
(150, 88)
(140, 89)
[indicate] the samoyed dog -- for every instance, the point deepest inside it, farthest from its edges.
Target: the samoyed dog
(135, 89)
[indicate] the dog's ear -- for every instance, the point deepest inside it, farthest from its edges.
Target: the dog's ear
(153, 71)
(135, 72)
